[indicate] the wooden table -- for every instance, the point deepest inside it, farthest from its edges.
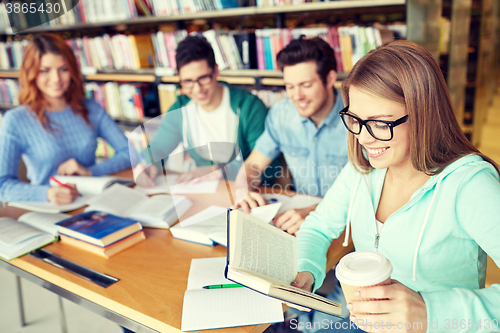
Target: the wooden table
(153, 275)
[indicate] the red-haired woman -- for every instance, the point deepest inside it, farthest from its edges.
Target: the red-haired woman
(55, 129)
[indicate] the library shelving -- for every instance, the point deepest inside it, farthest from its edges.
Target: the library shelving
(472, 68)
(227, 13)
(421, 19)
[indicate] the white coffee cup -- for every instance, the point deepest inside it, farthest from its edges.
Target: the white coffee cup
(362, 269)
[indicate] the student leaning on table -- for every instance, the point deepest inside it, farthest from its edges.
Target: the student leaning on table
(304, 126)
(415, 190)
(210, 118)
(55, 129)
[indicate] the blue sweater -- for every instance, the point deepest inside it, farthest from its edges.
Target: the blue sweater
(21, 134)
(437, 242)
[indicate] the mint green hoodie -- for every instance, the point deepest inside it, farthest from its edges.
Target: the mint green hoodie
(437, 242)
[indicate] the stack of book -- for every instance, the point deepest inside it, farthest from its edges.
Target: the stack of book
(101, 233)
(9, 90)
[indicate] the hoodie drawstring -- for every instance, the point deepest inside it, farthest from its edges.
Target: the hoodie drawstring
(347, 227)
(419, 241)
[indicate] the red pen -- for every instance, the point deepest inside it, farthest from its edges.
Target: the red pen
(61, 184)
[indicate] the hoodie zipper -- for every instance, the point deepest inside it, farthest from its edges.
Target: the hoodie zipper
(377, 234)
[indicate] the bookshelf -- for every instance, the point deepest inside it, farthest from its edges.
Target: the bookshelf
(231, 12)
(421, 18)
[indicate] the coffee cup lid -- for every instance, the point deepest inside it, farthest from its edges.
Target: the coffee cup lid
(363, 268)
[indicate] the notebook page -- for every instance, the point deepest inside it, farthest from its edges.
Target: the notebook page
(216, 308)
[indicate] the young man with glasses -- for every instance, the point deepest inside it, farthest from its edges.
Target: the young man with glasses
(213, 119)
(305, 127)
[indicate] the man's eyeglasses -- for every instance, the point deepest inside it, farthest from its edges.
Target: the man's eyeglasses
(202, 81)
(380, 129)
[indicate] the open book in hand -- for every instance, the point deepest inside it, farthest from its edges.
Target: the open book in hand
(159, 211)
(29, 232)
(264, 258)
(209, 226)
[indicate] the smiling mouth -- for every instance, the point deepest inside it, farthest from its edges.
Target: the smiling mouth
(303, 105)
(202, 97)
(376, 152)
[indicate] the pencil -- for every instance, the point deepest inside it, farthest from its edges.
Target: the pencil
(61, 184)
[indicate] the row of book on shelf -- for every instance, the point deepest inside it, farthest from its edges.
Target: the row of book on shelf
(124, 100)
(95, 11)
(9, 90)
(119, 100)
(84, 11)
(233, 50)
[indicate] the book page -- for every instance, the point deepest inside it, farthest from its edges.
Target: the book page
(43, 221)
(14, 232)
(261, 248)
(266, 213)
(159, 206)
(117, 199)
(91, 185)
(48, 207)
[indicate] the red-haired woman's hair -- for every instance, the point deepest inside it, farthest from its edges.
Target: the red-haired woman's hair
(31, 96)
(406, 73)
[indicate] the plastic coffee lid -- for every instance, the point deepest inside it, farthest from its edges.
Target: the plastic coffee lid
(363, 268)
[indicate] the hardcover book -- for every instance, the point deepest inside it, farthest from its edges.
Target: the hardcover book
(264, 258)
(98, 228)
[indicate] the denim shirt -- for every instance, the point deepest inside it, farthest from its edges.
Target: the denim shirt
(314, 155)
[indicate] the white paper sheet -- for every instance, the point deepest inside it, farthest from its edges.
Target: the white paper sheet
(183, 188)
(170, 186)
(298, 201)
(218, 308)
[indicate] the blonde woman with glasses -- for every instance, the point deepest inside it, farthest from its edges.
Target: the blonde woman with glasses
(415, 190)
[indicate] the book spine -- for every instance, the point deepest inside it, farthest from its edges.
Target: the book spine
(259, 40)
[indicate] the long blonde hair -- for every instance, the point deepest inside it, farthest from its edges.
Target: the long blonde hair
(406, 73)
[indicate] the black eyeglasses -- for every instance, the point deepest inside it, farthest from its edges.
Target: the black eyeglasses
(380, 129)
(202, 81)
